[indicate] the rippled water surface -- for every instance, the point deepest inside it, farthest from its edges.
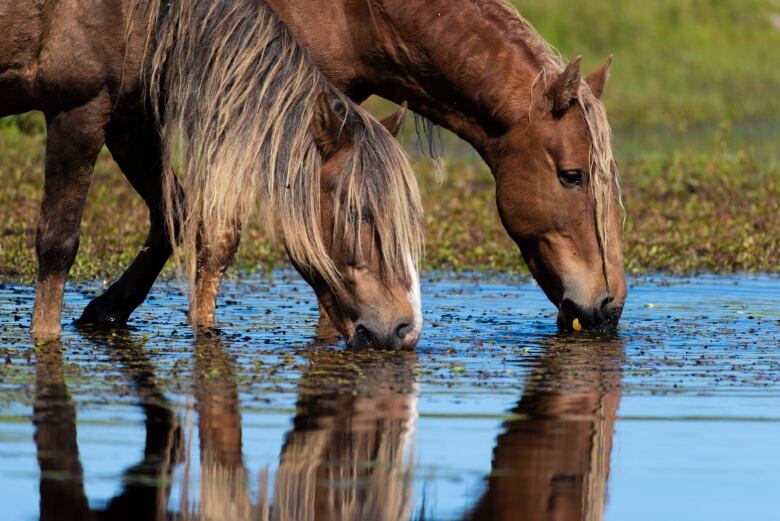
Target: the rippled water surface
(493, 417)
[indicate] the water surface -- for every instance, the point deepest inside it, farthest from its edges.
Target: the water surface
(495, 416)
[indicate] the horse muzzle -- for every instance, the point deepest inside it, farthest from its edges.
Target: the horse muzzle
(401, 336)
(603, 317)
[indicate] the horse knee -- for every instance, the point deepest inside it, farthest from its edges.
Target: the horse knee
(56, 251)
(215, 257)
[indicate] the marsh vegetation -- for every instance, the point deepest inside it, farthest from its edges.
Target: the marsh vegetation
(691, 101)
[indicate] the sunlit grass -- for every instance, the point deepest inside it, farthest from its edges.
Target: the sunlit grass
(714, 212)
(676, 61)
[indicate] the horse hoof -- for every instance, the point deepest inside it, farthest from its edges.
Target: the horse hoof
(97, 315)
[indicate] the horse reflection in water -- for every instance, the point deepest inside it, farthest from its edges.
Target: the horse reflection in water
(224, 479)
(62, 495)
(345, 459)
(348, 454)
(54, 416)
(553, 462)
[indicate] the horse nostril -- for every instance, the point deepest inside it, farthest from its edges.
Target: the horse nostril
(606, 302)
(570, 308)
(364, 337)
(403, 329)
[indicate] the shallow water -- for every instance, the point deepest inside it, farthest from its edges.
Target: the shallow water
(493, 417)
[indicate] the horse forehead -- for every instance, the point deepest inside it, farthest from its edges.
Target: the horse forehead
(567, 135)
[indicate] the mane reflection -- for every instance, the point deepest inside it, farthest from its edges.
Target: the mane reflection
(348, 456)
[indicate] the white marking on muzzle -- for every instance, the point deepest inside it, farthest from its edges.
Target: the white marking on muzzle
(414, 296)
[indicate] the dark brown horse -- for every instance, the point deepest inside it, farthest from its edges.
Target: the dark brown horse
(228, 88)
(477, 68)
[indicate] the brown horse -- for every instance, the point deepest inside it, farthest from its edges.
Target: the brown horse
(229, 89)
(477, 68)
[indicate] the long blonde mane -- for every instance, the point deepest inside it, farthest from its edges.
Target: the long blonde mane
(237, 95)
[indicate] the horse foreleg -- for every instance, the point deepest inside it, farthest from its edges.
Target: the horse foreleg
(137, 149)
(74, 139)
(213, 260)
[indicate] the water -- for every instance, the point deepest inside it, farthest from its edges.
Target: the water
(493, 417)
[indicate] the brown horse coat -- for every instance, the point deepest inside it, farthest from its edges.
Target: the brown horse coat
(255, 131)
(479, 69)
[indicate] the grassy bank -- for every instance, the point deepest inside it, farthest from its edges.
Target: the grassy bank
(686, 213)
(677, 62)
(685, 64)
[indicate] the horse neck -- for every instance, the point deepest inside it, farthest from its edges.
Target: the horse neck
(467, 65)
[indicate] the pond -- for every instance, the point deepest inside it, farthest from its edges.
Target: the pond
(494, 416)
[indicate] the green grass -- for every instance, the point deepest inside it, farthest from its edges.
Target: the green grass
(714, 212)
(677, 62)
(680, 64)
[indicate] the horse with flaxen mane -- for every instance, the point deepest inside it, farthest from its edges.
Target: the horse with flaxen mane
(479, 69)
(224, 89)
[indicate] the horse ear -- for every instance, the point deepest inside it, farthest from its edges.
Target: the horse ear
(565, 90)
(394, 121)
(597, 80)
(330, 133)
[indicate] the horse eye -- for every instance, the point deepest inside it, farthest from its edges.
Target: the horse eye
(570, 178)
